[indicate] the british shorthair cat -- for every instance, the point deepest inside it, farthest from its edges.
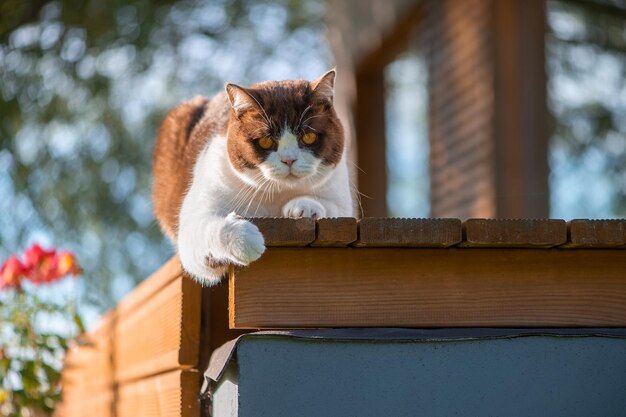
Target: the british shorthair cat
(273, 149)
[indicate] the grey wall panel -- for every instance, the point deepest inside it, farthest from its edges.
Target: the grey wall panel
(525, 376)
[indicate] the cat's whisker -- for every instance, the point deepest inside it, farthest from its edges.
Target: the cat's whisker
(248, 196)
(247, 187)
(248, 192)
(357, 194)
(315, 116)
(242, 195)
(261, 199)
(255, 193)
(357, 167)
(260, 131)
(312, 187)
(269, 122)
(303, 114)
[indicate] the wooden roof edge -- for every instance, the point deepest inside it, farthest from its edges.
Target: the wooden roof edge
(442, 232)
(533, 233)
(152, 284)
(598, 233)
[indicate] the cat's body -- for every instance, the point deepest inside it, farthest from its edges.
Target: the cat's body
(272, 150)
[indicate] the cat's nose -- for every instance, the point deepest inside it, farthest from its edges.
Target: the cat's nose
(288, 162)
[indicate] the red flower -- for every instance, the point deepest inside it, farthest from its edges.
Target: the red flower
(46, 266)
(12, 273)
(36, 257)
(40, 264)
(66, 264)
(40, 267)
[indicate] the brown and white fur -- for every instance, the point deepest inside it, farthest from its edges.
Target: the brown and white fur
(210, 171)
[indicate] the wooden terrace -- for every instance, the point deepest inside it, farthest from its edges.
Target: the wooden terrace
(146, 357)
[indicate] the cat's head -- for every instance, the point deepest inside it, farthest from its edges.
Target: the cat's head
(284, 131)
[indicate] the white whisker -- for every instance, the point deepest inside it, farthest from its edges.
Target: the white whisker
(269, 122)
(303, 114)
(315, 116)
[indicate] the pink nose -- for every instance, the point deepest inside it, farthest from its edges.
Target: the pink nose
(288, 162)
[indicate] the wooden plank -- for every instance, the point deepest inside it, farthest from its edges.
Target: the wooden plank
(279, 231)
(88, 365)
(173, 394)
(513, 233)
(92, 404)
(584, 233)
(343, 287)
(369, 128)
(520, 115)
(384, 232)
(335, 232)
(144, 291)
(215, 330)
(161, 334)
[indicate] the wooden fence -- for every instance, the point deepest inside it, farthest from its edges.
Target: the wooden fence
(146, 356)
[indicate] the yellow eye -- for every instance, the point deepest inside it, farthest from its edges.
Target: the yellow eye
(266, 142)
(309, 138)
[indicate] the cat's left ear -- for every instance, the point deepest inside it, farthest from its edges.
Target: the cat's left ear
(240, 99)
(324, 87)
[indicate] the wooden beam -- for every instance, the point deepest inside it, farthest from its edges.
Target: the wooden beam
(279, 231)
(596, 233)
(151, 285)
(161, 334)
(404, 287)
(514, 233)
(369, 119)
(88, 371)
(416, 233)
(521, 114)
(457, 46)
(96, 403)
(335, 232)
(172, 394)
(395, 42)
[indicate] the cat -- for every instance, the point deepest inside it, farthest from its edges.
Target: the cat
(272, 149)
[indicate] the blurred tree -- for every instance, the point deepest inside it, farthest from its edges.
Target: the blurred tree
(84, 86)
(587, 71)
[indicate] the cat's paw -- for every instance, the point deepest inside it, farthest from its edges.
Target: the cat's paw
(304, 207)
(242, 241)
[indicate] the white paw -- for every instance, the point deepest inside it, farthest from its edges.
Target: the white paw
(241, 240)
(304, 207)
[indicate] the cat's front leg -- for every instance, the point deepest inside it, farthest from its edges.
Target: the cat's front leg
(304, 207)
(206, 248)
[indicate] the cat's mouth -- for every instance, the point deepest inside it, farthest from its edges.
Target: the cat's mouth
(291, 178)
(290, 175)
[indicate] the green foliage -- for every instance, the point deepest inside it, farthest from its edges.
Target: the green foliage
(587, 67)
(31, 353)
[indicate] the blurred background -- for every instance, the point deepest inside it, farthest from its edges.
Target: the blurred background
(472, 108)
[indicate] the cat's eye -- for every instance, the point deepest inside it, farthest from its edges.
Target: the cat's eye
(309, 138)
(266, 142)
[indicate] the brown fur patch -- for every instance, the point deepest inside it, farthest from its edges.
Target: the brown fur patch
(181, 137)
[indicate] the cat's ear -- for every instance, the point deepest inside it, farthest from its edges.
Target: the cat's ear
(240, 99)
(324, 87)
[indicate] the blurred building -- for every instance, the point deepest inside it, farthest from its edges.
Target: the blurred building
(487, 116)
